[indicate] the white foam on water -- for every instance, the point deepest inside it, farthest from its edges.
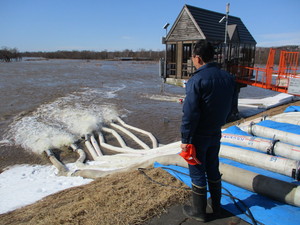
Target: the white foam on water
(109, 114)
(5, 142)
(76, 120)
(38, 136)
(167, 98)
(114, 90)
(60, 123)
(105, 92)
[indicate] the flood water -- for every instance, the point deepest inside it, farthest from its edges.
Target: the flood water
(48, 103)
(42, 100)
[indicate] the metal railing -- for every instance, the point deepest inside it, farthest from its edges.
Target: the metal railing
(270, 78)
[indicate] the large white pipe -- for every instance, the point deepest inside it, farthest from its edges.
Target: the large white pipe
(291, 118)
(96, 146)
(117, 136)
(270, 146)
(270, 187)
(267, 132)
(287, 115)
(276, 164)
(135, 138)
(152, 138)
(247, 141)
(275, 189)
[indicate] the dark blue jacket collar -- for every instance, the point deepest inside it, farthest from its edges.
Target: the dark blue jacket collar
(207, 65)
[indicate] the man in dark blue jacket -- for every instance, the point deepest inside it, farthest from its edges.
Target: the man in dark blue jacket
(209, 96)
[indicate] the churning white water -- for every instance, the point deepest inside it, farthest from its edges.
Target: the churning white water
(60, 123)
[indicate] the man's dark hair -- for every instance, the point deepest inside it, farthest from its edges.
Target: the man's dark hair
(205, 50)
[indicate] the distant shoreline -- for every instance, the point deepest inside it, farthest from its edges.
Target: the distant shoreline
(29, 59)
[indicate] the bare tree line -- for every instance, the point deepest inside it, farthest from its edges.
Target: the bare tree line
(9, 54)
(102, 55)
(12, 54)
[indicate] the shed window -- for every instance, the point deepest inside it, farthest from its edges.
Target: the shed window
(171, 59)
(186, 60)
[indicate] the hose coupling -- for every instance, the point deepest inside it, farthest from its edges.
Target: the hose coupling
(49, 152)
(296, 172)
(74, 147)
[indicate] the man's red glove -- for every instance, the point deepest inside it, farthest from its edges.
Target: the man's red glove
(190, 155)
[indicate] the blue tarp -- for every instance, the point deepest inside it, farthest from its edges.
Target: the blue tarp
(292, 108)
(264, 209)
(291, 128)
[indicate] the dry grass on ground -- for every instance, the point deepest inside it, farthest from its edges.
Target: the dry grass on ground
(124, 198)
(128, 198)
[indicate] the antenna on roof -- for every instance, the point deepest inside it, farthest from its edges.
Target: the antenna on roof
(226, 21)
(226, 28)
(227, 12)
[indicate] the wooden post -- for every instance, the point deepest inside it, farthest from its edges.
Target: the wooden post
(179, 60)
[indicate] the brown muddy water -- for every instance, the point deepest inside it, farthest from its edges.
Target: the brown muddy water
(51, 103)
(44, 103)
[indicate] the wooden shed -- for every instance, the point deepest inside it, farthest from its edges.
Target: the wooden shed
(193, 24)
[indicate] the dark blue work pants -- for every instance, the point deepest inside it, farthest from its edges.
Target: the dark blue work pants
(207, 148)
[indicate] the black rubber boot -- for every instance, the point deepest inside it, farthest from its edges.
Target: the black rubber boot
(215, 189)
(198, 209)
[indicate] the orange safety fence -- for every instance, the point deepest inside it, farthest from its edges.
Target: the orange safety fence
(270, 77)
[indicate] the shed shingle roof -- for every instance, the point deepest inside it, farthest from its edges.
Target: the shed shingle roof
(208, 22)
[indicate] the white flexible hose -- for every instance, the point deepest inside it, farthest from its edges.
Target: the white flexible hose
(62, 169)
(91, 149)
(82, 155)
(166, 149)
(96, 146)
(131, 135)
(117, 136)
(119, 149)
(111, 147)
(152, 138)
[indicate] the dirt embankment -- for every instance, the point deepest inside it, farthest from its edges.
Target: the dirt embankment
(125, 198)
(129, 198)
